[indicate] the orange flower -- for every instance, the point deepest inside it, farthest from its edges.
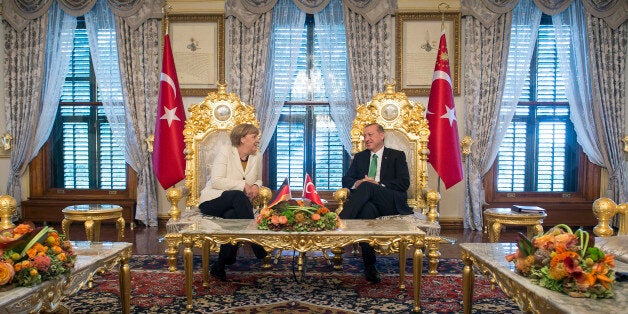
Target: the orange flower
(6, 272)
(22, 229)
(283, 220)
(322, 211)
(62, 257)
(560, 258)
(316, 217)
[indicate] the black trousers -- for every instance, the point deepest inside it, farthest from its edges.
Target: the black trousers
(369, 201)
(231, 204)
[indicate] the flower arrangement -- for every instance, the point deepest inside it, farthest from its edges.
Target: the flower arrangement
(30, 255)
(565, 261)
(295, 215)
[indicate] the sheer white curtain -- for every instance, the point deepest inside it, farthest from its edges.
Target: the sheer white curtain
(101, 33)
(330, 23)
(574, 68)
(526, 18)
(287, 17)
(59, 44)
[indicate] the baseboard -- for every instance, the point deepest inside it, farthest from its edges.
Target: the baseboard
(451, 223)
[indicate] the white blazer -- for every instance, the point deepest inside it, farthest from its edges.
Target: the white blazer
(227, 173)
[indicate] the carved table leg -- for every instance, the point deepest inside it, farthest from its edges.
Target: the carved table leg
(337, 251)
(402, 264)
(417, 262)
(187, 266)
(89, 230)
(124, 275)
(432, 244)
(206, 249)
(493, 232)
(468, 278)
(172, 250)
(120, 225)
(65, 226)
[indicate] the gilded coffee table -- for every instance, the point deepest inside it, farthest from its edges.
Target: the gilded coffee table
(385, 237)
(490, 259)
(91, 258)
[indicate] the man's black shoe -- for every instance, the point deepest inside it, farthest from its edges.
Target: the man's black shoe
(371, 274)
(259, 251)
(218, 272)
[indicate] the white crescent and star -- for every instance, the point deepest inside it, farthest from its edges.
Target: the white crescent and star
(169, 114)
(308, 189)
(451, 112)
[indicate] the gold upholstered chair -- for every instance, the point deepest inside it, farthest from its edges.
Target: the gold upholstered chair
(604, 210)
(406, 129)
(207, 128)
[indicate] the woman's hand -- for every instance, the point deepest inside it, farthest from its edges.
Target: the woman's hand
(251, 190)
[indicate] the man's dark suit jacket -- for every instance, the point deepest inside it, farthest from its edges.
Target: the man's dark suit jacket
(394, 175)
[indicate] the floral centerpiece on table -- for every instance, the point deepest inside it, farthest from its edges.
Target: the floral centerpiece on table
(307, 214)
(30, 255)
(565, 261)
(294, 215)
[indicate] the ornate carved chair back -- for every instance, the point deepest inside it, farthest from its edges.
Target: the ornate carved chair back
(206, 129)
(406, 129)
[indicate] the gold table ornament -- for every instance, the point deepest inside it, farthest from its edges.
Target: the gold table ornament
(92, 215)
(490, 259)
(383, 236)
(92, 258)
(497, 217)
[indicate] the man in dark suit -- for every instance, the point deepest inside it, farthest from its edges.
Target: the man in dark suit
(378, 179)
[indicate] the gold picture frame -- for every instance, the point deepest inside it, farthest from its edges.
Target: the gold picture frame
(416, 47)
(198, 44)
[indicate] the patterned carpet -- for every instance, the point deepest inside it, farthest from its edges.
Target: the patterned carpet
(252, 290)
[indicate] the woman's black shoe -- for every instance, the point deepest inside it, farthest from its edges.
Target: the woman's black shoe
(218, 271)
(371, 274)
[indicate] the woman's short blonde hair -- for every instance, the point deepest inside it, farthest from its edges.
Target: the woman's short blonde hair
(240, 131)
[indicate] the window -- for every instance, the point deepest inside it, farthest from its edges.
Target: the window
(85, 155)
(306, 139)
(539, 161)
(539, 152)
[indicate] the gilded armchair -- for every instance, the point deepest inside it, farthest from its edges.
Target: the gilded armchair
(406, 129)
(206, 128)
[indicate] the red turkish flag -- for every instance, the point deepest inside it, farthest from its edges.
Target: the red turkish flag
(283, 194)
(309, 191)
(168, 157)
(444, 143)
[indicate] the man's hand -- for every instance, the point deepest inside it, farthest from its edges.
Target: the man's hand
(251, 191)
(365, 179)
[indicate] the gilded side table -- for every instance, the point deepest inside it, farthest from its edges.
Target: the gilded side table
(92, 215)
(497, 217)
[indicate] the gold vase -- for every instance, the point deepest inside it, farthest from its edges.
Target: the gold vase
(7, 209)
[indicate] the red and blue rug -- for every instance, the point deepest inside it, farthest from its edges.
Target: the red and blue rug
(253, 290)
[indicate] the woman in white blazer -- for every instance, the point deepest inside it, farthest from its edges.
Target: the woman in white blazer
(235, 180)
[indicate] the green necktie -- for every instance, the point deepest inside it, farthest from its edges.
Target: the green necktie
(373, 167)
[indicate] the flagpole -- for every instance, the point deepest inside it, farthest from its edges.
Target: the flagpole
(165, 9)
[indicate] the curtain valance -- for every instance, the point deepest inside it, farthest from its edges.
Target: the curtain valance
(613, 12)
(18, 13)
(248, 11)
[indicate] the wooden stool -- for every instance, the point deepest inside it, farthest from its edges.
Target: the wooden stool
(92, 215)
(496, 217)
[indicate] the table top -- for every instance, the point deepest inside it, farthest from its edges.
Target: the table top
(491, 256)
(349, 227)
(91, 256)
(509, 212)
(85, 208)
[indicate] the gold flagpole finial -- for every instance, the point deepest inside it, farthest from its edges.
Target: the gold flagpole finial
(441, 8)
(165, 9)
